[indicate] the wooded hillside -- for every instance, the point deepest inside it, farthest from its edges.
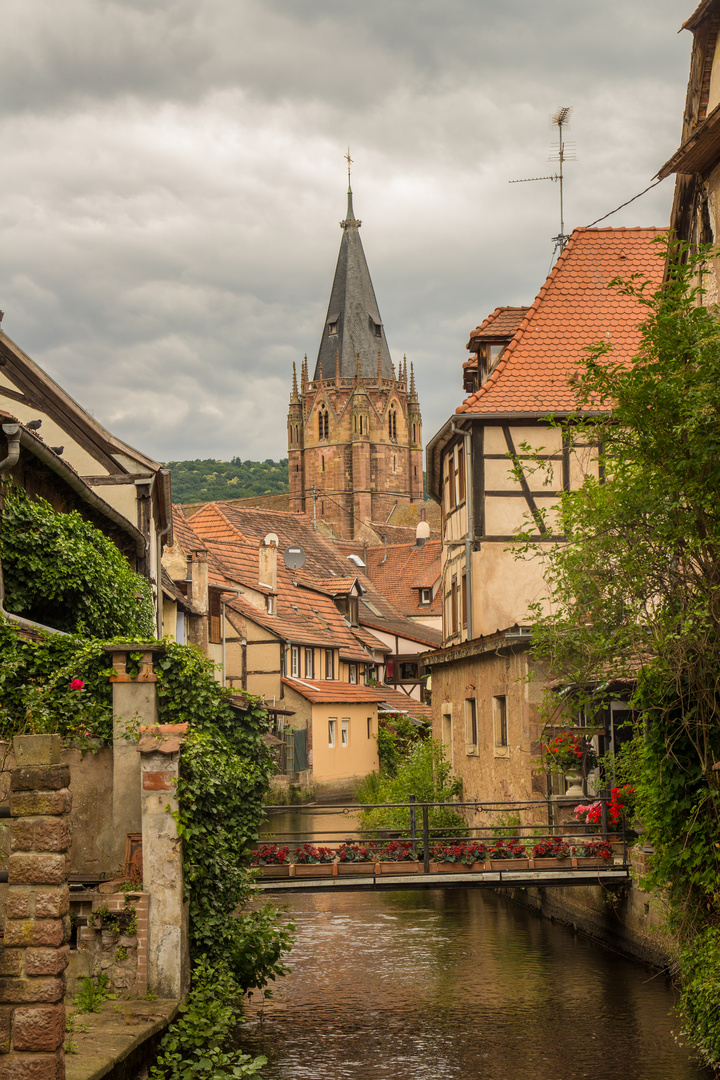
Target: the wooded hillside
(206, 480)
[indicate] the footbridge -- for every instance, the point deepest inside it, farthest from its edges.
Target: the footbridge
(421, 845)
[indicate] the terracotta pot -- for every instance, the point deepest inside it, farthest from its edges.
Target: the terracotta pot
(275, 871)
(406, 867)
(314, 869)
(357, 868)
(509, 864)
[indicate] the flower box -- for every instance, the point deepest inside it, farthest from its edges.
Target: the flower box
(552, 864)
(404, 867)
(590, 862)
(357, 868)
(510, 864)
(275, 871)
(314, 870)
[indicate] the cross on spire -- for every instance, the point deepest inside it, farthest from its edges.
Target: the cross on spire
(349, 163)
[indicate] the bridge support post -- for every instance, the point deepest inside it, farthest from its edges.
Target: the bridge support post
(426, 837)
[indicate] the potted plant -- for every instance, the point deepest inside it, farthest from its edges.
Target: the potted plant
(573, 755)
(312, 861)
(552, 852)
(620, 805)
(510, 854)
(397, 857)
(273, 860)
(592, 853)
(355, 859)
(465, 856)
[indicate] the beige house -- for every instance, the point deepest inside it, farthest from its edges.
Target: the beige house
(319, 642)
(497, 468)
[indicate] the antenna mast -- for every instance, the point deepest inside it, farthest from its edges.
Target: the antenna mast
(565, 152)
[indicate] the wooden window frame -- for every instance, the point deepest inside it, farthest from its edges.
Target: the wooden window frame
(310, 655)
(329, 664)
(471, 726)
(454, 607)
(294, 661)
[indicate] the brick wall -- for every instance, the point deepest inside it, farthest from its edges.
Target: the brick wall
(110, 944)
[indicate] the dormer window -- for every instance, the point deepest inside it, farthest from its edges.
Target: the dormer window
(426, 596)
(375, 326)
(332, 324)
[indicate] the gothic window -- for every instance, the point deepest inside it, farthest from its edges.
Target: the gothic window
(323, 423)
(323, 463)
(392, 424)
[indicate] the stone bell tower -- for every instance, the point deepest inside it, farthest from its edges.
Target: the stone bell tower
(354, 429)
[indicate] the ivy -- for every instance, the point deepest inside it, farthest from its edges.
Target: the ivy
(61, 571)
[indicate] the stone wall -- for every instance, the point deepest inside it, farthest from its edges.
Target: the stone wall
(37, 928)
(114, 942)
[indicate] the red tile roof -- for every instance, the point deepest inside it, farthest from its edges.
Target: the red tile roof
(401, 570)
(574, 309)
(331, 691)
(502, 323)
(397, 701)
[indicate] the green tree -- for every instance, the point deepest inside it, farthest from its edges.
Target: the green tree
(635, 592)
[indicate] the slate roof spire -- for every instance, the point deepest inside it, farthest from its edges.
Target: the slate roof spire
(353, 326)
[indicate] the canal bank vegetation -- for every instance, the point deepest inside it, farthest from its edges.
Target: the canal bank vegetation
(635, 595)
(420, 770)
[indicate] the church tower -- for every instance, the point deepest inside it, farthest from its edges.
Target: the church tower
(354, 429)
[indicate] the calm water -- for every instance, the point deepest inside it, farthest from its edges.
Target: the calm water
(438, 984)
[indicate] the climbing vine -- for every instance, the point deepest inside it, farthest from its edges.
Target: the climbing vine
(59, 570)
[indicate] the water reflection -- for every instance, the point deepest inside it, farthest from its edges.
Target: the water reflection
(458, 984)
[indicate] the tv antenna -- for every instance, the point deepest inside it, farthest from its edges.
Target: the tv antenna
(562, 153)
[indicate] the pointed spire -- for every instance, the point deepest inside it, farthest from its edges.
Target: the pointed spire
(304, 375)
(294, 395)
(412, 379)
(394, 379)
(337, 367)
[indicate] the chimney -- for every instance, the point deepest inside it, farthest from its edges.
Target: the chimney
(197, 580)
(268, 562)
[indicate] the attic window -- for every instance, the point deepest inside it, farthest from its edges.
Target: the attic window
(376, 327)
(333, 324)
(426, 596)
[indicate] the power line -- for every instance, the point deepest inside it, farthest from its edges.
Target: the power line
(649, 188)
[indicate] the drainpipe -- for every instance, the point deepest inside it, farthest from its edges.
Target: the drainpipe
(470, 521)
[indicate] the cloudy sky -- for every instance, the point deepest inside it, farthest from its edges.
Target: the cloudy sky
(173, 179)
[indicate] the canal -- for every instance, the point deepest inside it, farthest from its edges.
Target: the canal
(444, 984)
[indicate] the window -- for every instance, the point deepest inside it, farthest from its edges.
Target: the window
(500, 726)
(409, 671)
(331, 732)
(426, 596)
(322, 459)
(332, 328)
(454, 607)
(370, 673)
(452, 497)
(471, 727)
(344, 732)
(215, 630)
(270, 605)
(323, 423)
(463, 598)
(446, 712)
(461, 473)
(294, 661)
(352, 610)
(392, 424)
(329, 664)
(309, 664)
(369, 727)
(352, 674)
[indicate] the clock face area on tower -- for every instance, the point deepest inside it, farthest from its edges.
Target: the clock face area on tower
(354, 428)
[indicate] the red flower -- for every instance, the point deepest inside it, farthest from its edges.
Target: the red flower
(77, 684)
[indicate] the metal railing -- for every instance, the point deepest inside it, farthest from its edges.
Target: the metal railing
(420, 832)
